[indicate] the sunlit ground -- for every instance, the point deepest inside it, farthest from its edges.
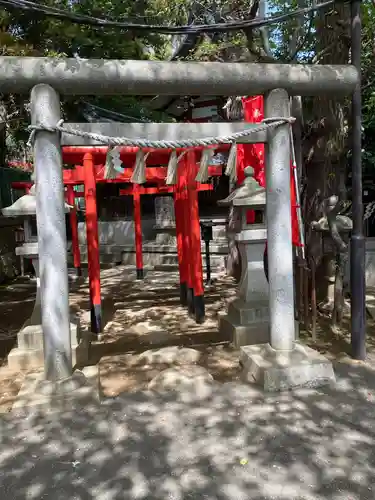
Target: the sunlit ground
(233, 443)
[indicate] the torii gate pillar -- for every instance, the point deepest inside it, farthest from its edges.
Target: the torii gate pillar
(283, 363)
(52, 246)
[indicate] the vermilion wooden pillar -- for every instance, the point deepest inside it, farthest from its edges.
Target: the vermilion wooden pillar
(138, 231)
(92, 232)
(180, 234)
(74, 226)
(187, 241)
(195, 254)
(185, 217)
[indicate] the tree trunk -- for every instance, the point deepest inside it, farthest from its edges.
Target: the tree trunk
(327, 145)
(3, 146)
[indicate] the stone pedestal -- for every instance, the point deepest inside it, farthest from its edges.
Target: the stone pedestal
(29, 353)
(277, 370)
(251, 244)
(165, 225)
(247, 321)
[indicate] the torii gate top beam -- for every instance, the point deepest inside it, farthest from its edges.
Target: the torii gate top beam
(109, 77)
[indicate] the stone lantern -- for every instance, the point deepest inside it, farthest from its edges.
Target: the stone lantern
(247, 321)
(29, 352)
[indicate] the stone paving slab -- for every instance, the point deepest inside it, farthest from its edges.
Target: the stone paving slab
(238, 444)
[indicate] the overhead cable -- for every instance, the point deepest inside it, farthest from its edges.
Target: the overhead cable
(157, 28)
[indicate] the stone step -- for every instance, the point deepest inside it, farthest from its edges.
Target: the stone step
(157, 260)
(166, 267)
(216, 246)
(150, 260)
(153, 254)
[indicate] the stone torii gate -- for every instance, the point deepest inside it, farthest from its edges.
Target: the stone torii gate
(46, 77)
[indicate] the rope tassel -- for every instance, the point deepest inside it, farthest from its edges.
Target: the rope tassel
(231, 169)
(207, 155)
(173, 167)
(139, 172)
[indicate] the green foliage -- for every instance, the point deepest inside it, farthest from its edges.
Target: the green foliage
(27, 33)
(294, 39)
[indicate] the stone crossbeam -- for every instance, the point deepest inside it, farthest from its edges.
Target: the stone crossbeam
(159, 132)
(110, 77)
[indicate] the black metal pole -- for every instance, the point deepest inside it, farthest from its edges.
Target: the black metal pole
(208, 263)
(357, 251)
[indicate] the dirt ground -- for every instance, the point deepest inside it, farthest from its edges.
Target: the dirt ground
(139, 316)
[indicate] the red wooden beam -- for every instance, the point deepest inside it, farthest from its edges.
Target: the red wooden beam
(160, 189)
(73, 155)
(146, 190)
(153, 174)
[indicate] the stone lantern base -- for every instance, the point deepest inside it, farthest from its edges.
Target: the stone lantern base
(30, 355)
(246, 323)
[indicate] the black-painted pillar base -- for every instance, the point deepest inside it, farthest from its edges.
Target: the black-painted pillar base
(190, 301)
(208, 264)
(78, 271)
(140, 274)
(96, 319)
(183, 294)
(265, 264)
(199, 308)
(358, 297)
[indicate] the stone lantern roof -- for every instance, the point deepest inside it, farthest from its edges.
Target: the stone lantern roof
(26, 205)
(250, 194)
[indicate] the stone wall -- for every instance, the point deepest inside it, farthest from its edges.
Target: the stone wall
(118, 232)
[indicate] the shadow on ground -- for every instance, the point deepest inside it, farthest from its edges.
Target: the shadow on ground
(235, 445)
(153, 302)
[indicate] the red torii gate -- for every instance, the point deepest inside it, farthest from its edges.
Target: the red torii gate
(89, 169)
